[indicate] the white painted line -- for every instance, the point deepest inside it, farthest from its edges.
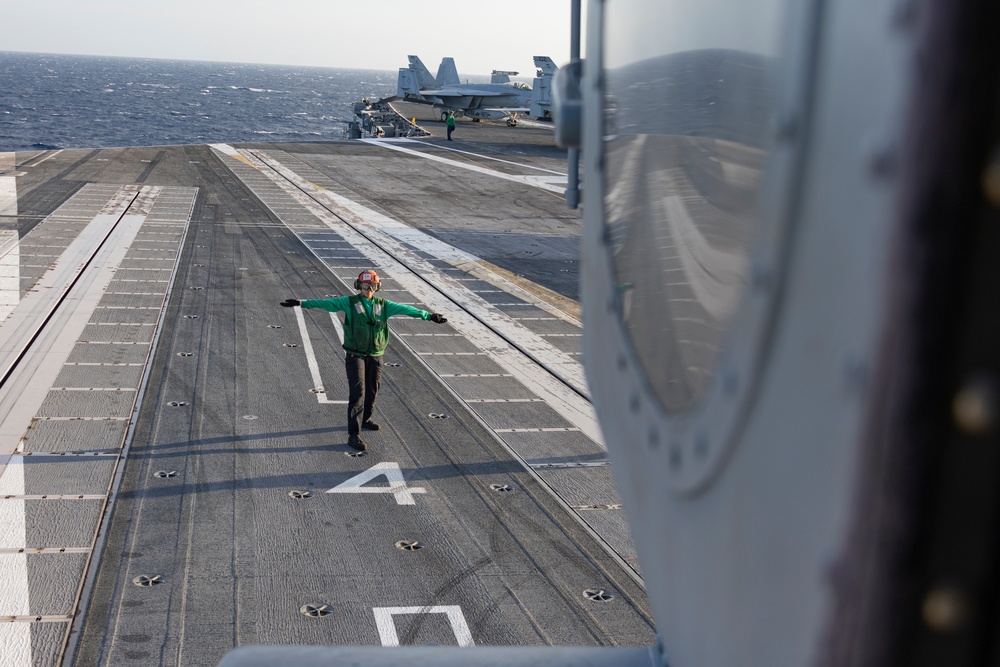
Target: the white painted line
(8, 185)
(387, 628)
(47, 157)
(311, 358)
(389, 470)
(10, 270)
(15, 638)
(338, 327)
(405, 140)
(554, 183)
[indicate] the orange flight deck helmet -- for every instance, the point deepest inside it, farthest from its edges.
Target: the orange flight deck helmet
(368, 276)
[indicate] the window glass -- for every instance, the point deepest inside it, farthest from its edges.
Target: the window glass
(688, 111)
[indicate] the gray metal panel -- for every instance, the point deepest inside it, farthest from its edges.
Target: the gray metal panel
(105, 315)
(109, 354)
(464, 364)
(144, 274)
(75, 435)
(52, 579)
(609, 525)
(441, 344)
(570, 345)
(555, 447)
(165, 260)
(520, 415)
(67, 475)
(129, 299)
(582, 486)
(87, 404)
(550, 326)
(99, 376)
(46, 642)
(56, 523)
(501, 297)
(521, 309)
(117, 334)
(497, 387)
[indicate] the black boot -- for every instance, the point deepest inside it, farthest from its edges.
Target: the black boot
(355, 442)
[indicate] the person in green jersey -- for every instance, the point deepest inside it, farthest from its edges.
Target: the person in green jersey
(366, 334)
(451, 124)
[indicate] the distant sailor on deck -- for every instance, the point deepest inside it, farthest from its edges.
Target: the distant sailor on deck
(366, 334)
(451, 124)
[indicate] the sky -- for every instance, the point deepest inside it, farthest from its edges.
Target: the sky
(370, 34)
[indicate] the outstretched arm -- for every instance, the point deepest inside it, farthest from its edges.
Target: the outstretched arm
(337, 304)
(393, 308)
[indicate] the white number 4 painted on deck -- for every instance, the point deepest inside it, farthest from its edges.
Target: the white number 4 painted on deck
(397, 485)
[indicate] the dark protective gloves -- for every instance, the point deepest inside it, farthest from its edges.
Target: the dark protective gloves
(291, 303)
(438, 318)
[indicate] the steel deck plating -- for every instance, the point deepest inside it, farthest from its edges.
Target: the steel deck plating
(175, 474)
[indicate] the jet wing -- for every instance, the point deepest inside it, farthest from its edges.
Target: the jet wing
(467, 92)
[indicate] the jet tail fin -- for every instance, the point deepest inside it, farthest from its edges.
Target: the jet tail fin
(407, 82)
(546, 66)
(541, 87)
(423, 75)
(447, 73)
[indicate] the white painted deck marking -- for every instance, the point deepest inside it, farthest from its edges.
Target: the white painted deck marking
(10, 256)
(15, 638)
(387, 628)
(10, 271)
(389, 470)
(555, 183)
(338, 327)
(47, 157)
(8, 184)
(311, 356)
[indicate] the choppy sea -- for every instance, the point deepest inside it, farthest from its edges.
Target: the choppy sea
(60, 101)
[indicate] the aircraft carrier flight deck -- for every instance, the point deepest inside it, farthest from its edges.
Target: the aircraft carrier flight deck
(174, 458)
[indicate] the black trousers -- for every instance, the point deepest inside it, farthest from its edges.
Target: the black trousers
(364, 375)
(450, 130)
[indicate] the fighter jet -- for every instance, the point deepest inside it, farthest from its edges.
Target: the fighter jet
(497, 100)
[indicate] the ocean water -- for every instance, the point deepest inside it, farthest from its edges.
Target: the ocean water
(59, 101)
